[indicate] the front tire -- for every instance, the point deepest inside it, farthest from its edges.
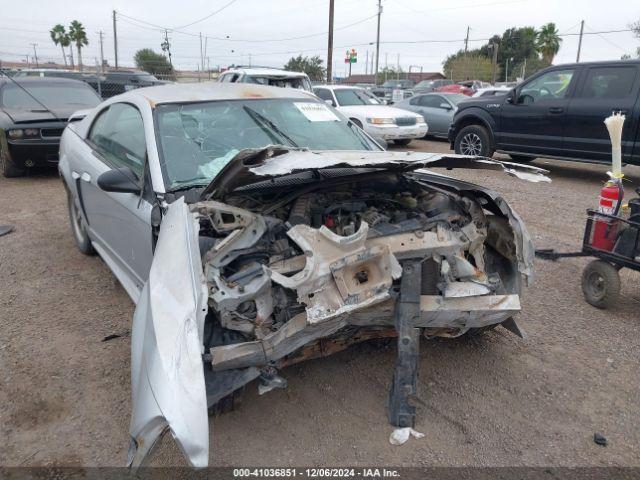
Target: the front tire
(9, 169)
(78, 228)
(601, 284)
(404, 141)
(473, 140)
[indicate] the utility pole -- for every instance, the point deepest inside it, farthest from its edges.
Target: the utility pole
(330, 44)
(494, 46)
(366, 63)
(375, 78)
(101, 52)
(115, 39)
(398, 68)
(166, 46)
(202, 58)
(580, 41)
(466, 42)
(35, 54)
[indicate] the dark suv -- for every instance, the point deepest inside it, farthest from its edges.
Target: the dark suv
(556, 113)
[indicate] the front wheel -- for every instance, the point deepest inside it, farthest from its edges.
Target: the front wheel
(601, 284)
(473, 140)
(78, 228)
(404, 141)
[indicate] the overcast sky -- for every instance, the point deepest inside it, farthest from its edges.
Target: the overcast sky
(269, 31)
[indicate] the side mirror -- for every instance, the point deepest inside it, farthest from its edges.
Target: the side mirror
(330, 102)
(511, 96)
(119, 180)
(445, 105)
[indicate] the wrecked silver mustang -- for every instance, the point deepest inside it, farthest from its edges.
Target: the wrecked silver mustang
(244, 258)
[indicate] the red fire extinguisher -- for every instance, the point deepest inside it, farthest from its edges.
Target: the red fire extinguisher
(605, 230)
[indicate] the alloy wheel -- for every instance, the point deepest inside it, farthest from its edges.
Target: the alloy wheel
(471, 144)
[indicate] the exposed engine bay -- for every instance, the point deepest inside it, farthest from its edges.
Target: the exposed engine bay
(321, 253)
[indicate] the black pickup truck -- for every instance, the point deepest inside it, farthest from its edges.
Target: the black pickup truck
(556, 113)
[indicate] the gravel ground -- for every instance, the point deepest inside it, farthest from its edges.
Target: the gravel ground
(491, 401)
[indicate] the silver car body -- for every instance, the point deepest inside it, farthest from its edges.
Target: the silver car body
(436, 108)
(175, 284)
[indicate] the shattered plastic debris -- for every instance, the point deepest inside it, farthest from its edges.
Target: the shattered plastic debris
(401, 435)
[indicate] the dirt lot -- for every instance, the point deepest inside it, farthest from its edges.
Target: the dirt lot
(492, 401)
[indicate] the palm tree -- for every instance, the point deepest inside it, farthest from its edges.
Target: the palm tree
(548, 41)
(78, 35)
(60, 37)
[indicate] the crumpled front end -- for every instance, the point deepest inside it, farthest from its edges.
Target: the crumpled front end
(303, 264)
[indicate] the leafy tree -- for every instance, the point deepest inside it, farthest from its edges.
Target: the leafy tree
(78, 35)
(152, 62)
(527, 67)
(312, 66)
(60, 37)
(389, 73)
(548, 42)
(472, 66)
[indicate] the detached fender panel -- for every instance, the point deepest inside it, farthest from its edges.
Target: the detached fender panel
(167, 376)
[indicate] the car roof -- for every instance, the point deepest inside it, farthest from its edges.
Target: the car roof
(210, 91)
(339, 87)
(265, 71)
(43, 81)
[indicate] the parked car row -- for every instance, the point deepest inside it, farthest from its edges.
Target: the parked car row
(107, 84)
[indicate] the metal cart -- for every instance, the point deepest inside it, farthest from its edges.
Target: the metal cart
(600, 278)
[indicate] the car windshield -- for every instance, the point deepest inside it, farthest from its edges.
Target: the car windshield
(301, 83)
(425, 84)
(52, 96)
(197, 140)
(456, 98)
(352, 96)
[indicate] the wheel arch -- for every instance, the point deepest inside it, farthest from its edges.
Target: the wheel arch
(476, 116)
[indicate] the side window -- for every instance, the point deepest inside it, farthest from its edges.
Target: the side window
(324, 94)
(549, 86)
(223, 78)
(431, 101)
(118, 135)
(415, 101)
(609, 82)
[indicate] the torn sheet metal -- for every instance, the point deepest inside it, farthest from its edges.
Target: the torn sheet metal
(340, 273)
(167, 378)
(252, 165)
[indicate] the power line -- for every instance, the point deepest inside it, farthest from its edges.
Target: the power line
(207, 16)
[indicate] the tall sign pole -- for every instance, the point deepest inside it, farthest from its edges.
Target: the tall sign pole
(330, 45)
(115, 39)
(375, 77)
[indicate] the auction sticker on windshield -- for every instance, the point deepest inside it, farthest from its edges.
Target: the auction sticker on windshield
(316, 112)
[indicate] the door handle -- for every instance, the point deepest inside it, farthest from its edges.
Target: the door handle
(85, 177)
(556, 110)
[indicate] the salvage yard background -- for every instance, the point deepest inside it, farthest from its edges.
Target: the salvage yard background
(492, 401)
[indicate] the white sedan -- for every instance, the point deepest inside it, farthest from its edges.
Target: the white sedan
(378, 120)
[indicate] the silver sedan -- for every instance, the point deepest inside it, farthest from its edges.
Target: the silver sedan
(436, 108)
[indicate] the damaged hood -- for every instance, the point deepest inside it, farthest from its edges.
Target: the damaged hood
(253, 165)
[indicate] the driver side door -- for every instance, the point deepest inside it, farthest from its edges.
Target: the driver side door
(533, 121)
(119, 223)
